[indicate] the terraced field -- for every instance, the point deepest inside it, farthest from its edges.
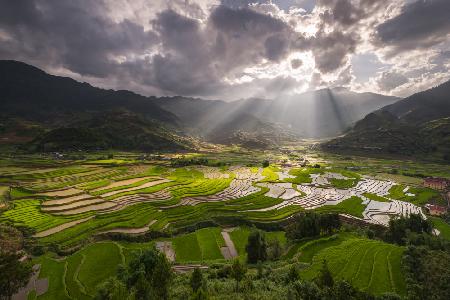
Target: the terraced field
(201, 245)
(80, 204)
(77, 276)
(73, 203)
(369, 265)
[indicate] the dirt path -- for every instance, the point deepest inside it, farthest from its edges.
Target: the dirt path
(166, 248)
(60, 227)
(40, 285)
(228, 252)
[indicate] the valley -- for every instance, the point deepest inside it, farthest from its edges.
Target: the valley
(114, 205)
(225, 150)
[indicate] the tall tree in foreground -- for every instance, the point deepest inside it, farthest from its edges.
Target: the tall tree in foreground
(325, 278)
(256, 247)
(14, 274)
(196, 280)
(238, 271)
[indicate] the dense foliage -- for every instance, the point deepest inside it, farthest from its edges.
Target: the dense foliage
(147, 277)
(14, 274)
(311, 224)
(256, 247)
(428, 273)
(401, 227)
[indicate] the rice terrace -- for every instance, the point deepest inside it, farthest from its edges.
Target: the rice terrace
(225, 150)
(103, 211)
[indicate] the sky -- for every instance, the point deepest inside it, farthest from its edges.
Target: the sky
(234, 49)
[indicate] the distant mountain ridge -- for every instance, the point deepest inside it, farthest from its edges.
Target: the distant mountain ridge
(51, 113)
(317, 114)
(34, 103)
(418, 125)
(29, 92)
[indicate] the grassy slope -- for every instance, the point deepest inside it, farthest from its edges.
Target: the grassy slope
(201, 245)
(421, 195)
(240, 235)
(352, 206)
(369, 265)
(442, 226)
(78, 275)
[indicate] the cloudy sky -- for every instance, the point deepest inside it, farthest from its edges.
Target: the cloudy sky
(233, 49)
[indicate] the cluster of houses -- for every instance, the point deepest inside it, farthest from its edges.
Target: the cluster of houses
(440, 184)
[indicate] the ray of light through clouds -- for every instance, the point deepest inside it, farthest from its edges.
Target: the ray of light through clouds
(233, 49)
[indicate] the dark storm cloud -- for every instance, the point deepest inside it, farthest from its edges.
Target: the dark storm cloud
(196, 58)
(73, 34)
(331, 50)
(193, 48)
(244, 37)
(332, 47)
(391, 80)
(185, 64)
(347, 12)
(420, 24)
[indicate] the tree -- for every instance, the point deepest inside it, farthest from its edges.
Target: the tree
(113, 289)
(343, 291)
(197, 280)
(200, 295)
(325, 278)
(238, 271)
(14, 274)
(275, 249)
(256, 247)
(304, 225)
(306, 290)
(260, 270)
(265, 163)
(149, 274)
(400, 228)
(329, 223)
(293, 274)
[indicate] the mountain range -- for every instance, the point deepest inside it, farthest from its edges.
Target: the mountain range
(47, 113)
(418, 125)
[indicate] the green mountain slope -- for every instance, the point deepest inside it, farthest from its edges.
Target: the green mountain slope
(114, 129)
(52, 113)
(415, 126)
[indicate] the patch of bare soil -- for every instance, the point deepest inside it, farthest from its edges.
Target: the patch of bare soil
(72, 205)
(63, 193)
(131, 230)
(101, 206)
(40, 285)
(66, 200)
(61, 227)
(228, 252)
(142, 186)
(166, 248)
(188, 268)
(121, 183)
